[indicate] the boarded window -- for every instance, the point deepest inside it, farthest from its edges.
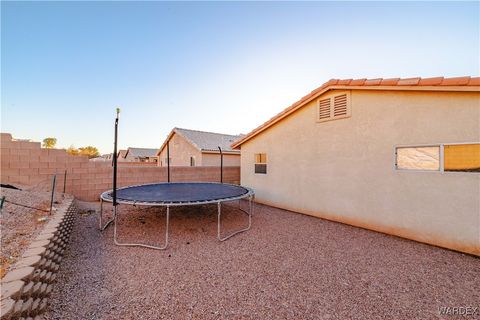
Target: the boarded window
(418, 158)
(462, 157)
(261, 163)
(335, 107)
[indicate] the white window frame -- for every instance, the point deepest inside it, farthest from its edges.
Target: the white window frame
(440, 158)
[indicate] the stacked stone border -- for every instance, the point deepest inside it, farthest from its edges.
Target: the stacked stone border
(26, 288)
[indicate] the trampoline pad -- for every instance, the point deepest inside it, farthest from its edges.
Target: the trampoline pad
(179, 192)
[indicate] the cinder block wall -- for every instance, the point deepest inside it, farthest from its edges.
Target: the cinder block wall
(28, 164)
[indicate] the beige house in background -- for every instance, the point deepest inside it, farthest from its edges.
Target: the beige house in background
(399, 156)
(139, 155)
(198, 148)
(121, 155)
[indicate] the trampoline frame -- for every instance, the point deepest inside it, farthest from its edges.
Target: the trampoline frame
(107, 197)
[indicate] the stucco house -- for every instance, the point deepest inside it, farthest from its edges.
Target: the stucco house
(140, 155)
(121, 155)
(399, 156)
(198, 148)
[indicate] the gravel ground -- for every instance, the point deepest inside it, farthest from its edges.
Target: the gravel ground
(288, 266)
(18, 224)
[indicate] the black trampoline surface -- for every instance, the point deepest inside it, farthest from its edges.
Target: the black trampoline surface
(178, 192)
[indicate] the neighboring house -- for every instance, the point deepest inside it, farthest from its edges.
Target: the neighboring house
(400, 156)
(140, 155)
(108, 156)
(121, 155)
(198, 148)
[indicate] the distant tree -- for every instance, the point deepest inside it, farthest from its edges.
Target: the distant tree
(73, 151)
(49, 143)
(89, 151)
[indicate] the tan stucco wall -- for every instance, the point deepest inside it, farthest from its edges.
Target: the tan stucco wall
(343, 170)
(180, 152)
(212, 159)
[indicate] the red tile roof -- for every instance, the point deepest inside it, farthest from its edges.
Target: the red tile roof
(419, 84)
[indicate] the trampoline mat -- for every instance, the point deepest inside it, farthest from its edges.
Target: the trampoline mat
(179, 192)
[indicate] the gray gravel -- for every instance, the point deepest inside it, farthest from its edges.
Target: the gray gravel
(289, 266)
(19, 224)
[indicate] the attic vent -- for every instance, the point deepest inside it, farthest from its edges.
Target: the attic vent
(334, 107)
(340, 105)
(324, 109)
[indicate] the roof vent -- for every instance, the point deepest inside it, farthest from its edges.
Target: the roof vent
(333, 108)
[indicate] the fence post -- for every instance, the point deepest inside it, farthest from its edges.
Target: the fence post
(65, 181)
(54, 180)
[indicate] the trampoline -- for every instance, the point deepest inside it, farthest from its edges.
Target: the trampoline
(173, 194)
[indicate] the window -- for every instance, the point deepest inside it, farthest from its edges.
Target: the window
(192, 161)
(261, 163)
(418, 158)
(458, 157)
(168, 161)
(334, 107)
(462, 157)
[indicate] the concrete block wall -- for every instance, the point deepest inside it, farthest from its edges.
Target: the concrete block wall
(28, 164)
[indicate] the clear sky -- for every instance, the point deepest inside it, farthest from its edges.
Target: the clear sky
(214, 66)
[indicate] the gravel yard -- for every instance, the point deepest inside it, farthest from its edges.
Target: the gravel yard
(288, 266)
(20, 224)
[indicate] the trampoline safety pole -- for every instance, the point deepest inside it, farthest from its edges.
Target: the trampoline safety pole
(168, 161)
(115, 161)
(221, 164)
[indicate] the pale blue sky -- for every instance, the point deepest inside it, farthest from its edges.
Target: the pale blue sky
(214, 66)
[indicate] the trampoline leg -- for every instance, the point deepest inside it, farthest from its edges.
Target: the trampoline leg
(115, 214)
(249, 213)
(101, 225)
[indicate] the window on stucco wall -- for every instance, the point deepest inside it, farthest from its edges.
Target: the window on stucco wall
(457, 157)
(418, 158)
(462, 157)
(261, 163)
(192, 161)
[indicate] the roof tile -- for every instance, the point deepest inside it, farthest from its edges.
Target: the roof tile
(357, 82)
(389, 82)
(342, 82)
(430, 81)
(459, 81)
(373, 82)
(331, 82)
(475, 81)
(408, 82)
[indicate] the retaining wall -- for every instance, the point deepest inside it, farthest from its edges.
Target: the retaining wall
(28, 164)
(26, 288)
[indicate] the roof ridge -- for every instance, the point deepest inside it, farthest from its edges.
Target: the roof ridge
(223, 134)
